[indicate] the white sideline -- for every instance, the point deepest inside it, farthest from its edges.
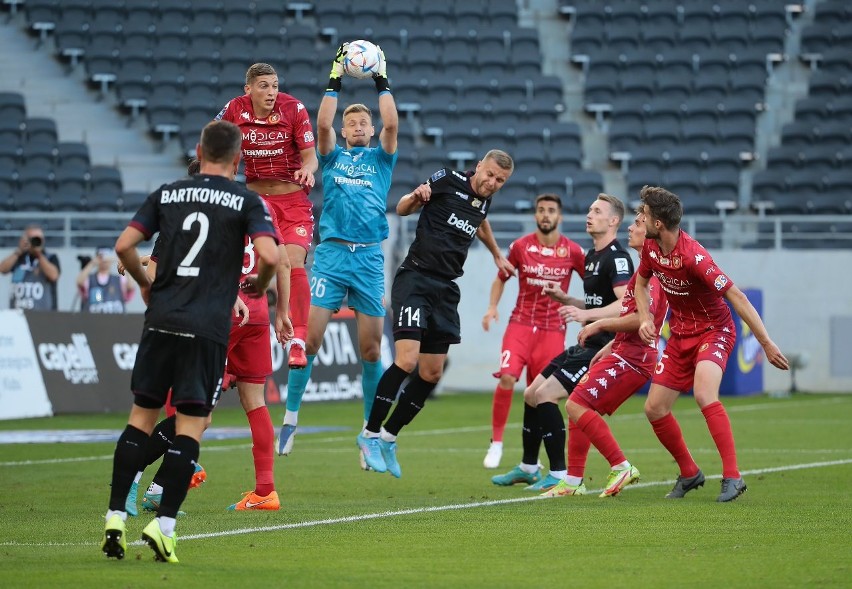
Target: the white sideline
(418, 510)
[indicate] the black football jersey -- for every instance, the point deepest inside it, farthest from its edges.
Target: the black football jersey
(605, 269)
(203, 221)
(447, 225)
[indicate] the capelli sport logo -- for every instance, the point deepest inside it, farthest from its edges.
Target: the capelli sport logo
(75, 360)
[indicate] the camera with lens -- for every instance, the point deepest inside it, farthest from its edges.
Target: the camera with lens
(36, 241)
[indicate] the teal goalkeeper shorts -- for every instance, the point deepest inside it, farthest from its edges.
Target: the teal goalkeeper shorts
(353, 272)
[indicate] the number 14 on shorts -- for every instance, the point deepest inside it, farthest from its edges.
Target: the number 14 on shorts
(408, 317)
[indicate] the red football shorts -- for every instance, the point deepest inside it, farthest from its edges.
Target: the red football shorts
(676, 368)
(293, 215)
(608, 383)
(525, 345)
(250, 353)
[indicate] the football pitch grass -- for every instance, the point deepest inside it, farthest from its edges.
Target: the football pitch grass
(444, 524)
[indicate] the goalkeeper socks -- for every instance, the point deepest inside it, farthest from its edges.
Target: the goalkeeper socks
(178, 467)
(531, 435)
(386, 392)
(300, 302)
(720, 429)
(500, 407)
(126, 462)
(371, 372)
(670, 435)
(262, 442)
(552, 434)
(297, 382)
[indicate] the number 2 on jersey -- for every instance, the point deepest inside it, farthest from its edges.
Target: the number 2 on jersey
(186, 268)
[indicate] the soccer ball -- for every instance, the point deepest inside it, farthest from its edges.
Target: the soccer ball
(363, 59)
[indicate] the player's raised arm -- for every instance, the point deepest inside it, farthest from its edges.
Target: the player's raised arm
(326, 137)
(387, 108)
(414, 200)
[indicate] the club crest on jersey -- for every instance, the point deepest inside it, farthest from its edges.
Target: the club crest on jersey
(274, 118)
(562, 251)
(475, 203)
(676, 262)
(301, 231)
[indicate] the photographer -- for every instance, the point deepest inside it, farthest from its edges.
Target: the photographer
(34, 273)
(101, 290)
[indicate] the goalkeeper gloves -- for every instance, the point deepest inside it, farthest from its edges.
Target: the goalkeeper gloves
(336, 75)
(381, 77)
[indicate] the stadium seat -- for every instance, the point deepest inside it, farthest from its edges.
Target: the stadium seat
(35, 176)
(39, 152)
(585, 186)
(70, 197)
(132, 200)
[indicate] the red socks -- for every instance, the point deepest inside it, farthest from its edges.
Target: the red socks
(263, 440)
(597, 430)
(500, 408)
(300, 302)
(670, 435)
(720, 428)
(578, 450)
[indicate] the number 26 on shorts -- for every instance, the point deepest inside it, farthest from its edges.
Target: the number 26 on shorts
(318, 287)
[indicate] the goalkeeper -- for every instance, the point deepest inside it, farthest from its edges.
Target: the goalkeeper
(348, 262)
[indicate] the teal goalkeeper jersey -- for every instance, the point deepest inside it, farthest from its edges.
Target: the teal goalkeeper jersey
(355, 187)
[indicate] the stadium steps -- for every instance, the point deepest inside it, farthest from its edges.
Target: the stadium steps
(553, 35)
(50, 90)
(787, 84)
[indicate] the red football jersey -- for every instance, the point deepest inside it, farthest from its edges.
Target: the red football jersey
(271, 146)
(629, 345)
(536, 266)
(692, 283)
